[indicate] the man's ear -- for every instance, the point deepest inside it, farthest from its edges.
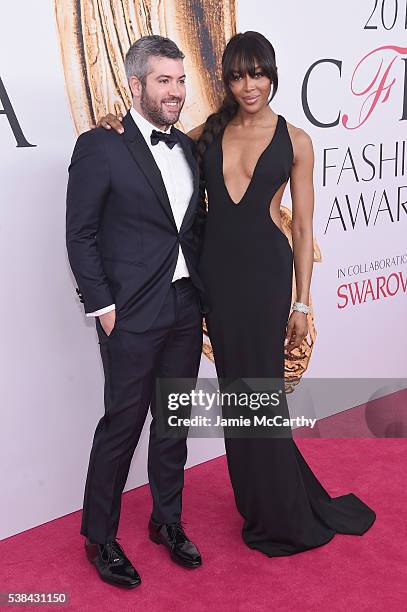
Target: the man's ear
(135, 86)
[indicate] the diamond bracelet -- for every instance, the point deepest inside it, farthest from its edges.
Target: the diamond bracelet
(301, 307)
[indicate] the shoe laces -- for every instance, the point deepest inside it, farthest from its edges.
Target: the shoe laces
(114, 552)
(177, 533)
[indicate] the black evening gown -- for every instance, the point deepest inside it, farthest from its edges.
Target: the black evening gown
(247, 266)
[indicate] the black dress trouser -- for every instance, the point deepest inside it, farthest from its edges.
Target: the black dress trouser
(132, 362)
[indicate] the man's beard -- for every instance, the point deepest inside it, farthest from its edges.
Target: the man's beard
(153, 111)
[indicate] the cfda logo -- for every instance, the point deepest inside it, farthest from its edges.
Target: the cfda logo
(374, 80)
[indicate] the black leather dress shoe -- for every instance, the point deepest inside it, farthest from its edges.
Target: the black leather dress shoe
(172, 535)
(112, 564)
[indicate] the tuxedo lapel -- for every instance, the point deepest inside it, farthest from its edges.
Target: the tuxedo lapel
(144, 158)
(193, 164)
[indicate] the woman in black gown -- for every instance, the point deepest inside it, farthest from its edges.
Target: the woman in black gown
(247, 156)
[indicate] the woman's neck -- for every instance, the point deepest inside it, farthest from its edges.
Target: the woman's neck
(263, 117)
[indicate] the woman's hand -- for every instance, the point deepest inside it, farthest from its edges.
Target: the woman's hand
(110, 121)
(297, 329)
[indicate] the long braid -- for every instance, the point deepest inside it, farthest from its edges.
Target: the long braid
(214, 125)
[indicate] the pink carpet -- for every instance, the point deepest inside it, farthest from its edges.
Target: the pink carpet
(349, 573)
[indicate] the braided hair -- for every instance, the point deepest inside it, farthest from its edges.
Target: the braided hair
(241, 56)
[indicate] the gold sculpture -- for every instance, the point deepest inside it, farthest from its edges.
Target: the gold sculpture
(94, 38)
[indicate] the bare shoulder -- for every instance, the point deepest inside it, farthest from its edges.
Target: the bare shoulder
(301, 141)
(196, 132)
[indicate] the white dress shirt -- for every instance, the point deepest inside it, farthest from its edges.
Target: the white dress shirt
(177, 176)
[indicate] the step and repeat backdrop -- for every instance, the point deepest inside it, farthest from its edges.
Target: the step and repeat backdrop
(343, 78)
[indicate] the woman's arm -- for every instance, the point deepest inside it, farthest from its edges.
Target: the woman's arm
(302, 195)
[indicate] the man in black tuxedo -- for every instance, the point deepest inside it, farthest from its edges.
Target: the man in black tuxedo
(133, 244)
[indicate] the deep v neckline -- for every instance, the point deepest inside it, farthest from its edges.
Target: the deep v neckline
(254, 169)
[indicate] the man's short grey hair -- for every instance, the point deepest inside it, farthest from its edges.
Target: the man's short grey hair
(136, 60)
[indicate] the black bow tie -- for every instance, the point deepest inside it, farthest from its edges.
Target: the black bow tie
(169, 138)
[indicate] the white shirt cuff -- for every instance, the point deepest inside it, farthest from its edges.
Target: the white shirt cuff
(102, 311)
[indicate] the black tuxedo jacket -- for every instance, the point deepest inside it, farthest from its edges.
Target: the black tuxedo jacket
(121, 235)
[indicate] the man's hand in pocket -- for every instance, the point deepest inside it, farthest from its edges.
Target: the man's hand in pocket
(108, 321)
